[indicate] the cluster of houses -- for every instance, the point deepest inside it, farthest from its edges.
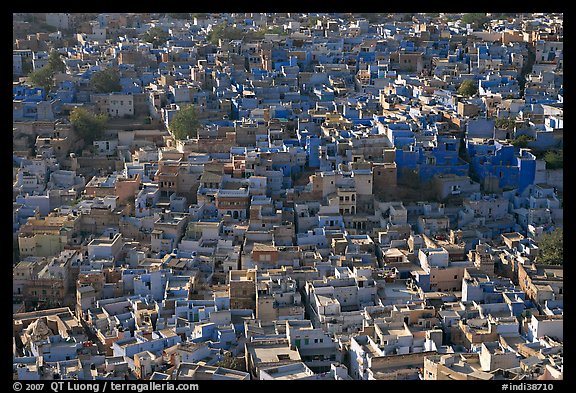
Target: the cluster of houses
(345, 211)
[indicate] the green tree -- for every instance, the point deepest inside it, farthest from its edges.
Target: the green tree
(156, 36)
(231, 362)
(106, 81)
(274, 30)
(373, 17)
(551, 248)
(554, 159)
(185, 123)
(216, 33)
(476, 19)
(226, 32)
(522, 141)
(87, 125)
(505, 123)
(311, 21)
(505, 15)
(468, 88)
(26, 65)
(43, 77)
(55, 62)
(179, 15)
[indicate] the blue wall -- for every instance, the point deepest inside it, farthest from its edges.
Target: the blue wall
(504, 163)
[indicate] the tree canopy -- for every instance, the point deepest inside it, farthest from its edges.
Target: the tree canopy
(468, 88)
(554, 159)
(88, 125)
(185, 123)
(551, 248)
(55, 62)
(477, 19)
(179, 15)
(505, 123)
(274, 30)
(231, 362)
(227, 32)
(106, 81)
(156, 36)
(522, 141)
(44, 77)
(26, 65)
(224, 31)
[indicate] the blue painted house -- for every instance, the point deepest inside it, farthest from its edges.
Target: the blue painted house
(437, 155)
(512, 168)
(400, 134)
(66, 92)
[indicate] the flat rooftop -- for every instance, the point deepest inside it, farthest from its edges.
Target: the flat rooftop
(274, 353)
(289, 372)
